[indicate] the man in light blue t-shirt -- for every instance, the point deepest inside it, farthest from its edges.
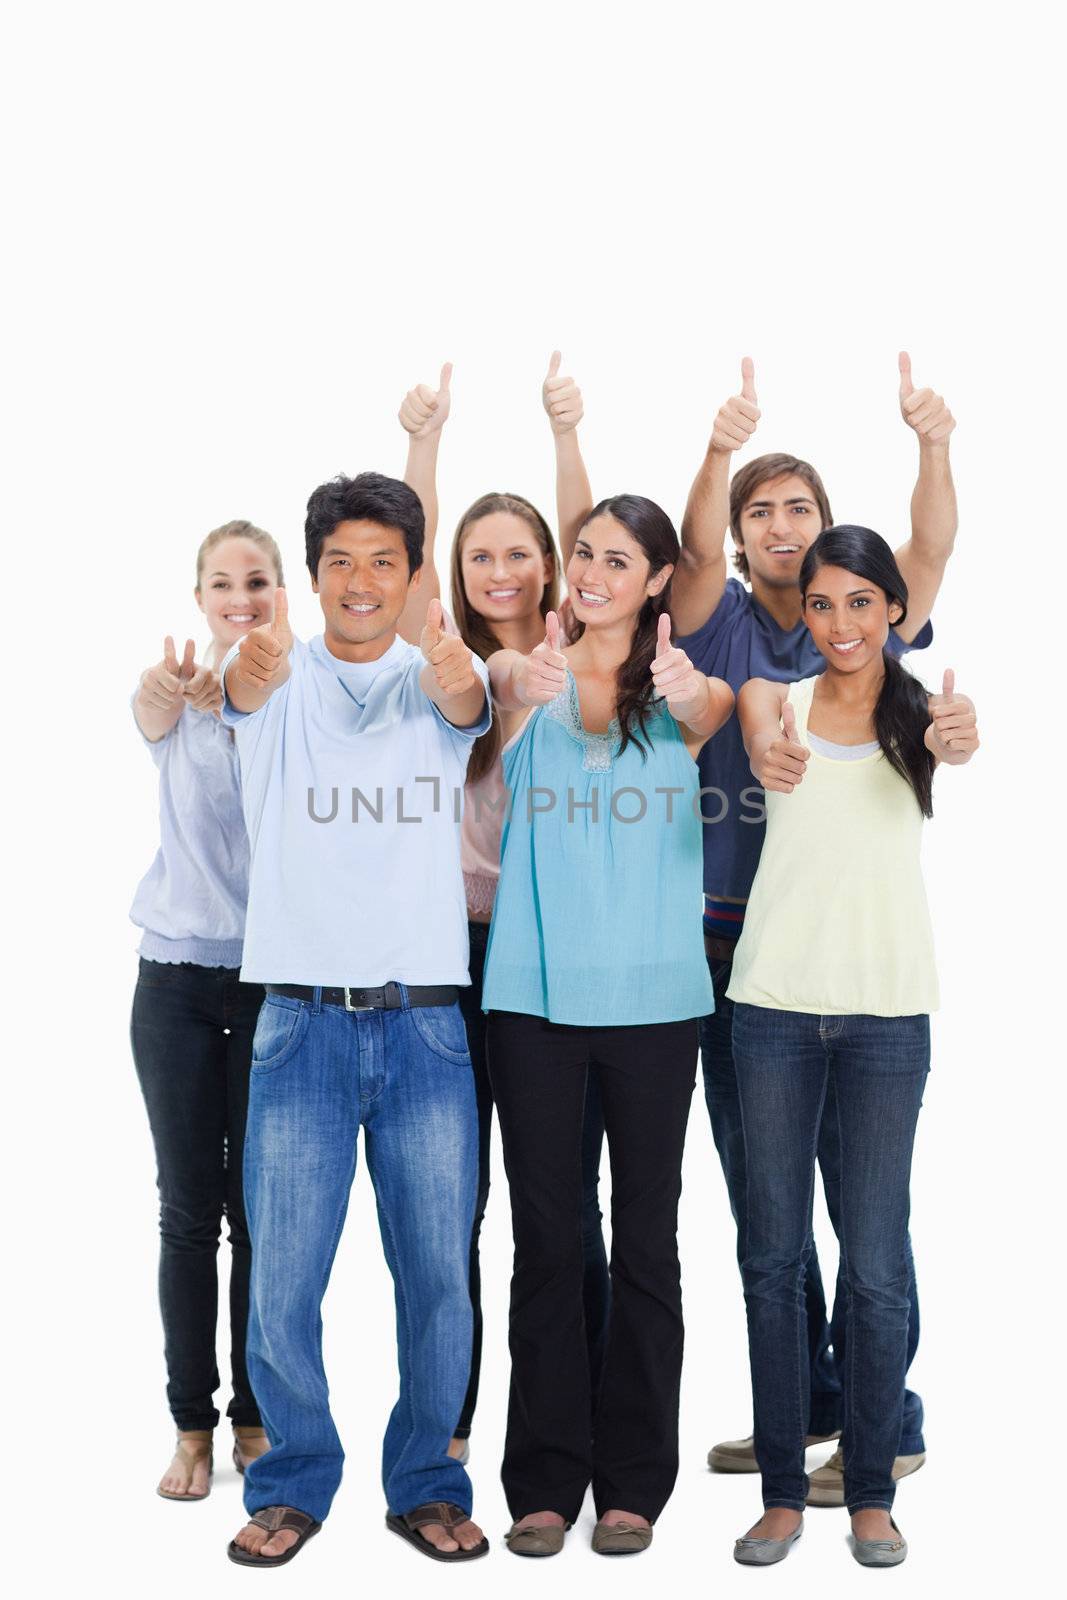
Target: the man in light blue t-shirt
(353, 753)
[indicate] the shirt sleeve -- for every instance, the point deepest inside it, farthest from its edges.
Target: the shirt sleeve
(900, 647)
(155, 747)
(700, 646)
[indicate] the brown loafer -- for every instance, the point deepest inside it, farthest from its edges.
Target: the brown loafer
(620, 1538)
(535, 1541)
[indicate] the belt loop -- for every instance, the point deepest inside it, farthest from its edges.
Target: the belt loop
(405, 1003)
(316, 1000)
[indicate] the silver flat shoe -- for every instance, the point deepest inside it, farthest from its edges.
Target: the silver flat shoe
(765, 1552)
(535, 1541)
(880, 1552)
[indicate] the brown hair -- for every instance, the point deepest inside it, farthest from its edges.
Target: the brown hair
(764, 470)
(240, 530)
(475, 631)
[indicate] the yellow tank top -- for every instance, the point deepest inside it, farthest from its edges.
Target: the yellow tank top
(837, 922)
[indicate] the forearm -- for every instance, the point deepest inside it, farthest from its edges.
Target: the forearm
(712, 709)
(460, 709)
(574, 497)
(502, 667)
(153, 721)
(420, 474)
(249, 697)
(700, 576)
(934, 515)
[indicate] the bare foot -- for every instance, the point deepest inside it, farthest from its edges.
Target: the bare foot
(465, 1535)
(250, 1443)
(610, 1518)
(258, 1542)
(189, 1475)
(456, 1448)
(872, 1524)
(776, 1523)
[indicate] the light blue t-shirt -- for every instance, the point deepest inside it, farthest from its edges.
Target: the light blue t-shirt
(191, 901)
(350, 777)
(597, 920)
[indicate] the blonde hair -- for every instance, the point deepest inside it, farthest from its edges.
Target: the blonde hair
(240, 530)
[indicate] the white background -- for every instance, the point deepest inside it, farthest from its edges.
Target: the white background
(237, 234)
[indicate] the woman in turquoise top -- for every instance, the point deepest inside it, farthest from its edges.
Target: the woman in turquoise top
(596, 958)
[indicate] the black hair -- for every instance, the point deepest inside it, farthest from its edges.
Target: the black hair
(653, 530)
(369, 497)
(902, 714)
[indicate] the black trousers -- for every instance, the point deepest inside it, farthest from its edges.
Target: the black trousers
(538, 1071)
(192, 1032)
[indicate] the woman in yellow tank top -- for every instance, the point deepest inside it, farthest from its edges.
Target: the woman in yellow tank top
(833, 981)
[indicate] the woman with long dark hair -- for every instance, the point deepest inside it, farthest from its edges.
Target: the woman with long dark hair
(504, 582)
(596, 962)
(832, 985)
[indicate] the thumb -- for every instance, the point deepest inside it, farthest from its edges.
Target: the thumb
(280, 626)
(188, 665)
(663, 634)
(170, 656)
(948, 683)
(748, 380)
(552, 631)
(446, 378)
(435, 616)
(906, 385)
(789, 723)
(553, 365)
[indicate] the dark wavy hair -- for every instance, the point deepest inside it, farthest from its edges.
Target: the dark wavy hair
(369, 497)
(902, 714)
(654, 531)
(475, 630)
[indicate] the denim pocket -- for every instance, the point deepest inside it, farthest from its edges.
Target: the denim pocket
(442, 1030)
(279, 1032)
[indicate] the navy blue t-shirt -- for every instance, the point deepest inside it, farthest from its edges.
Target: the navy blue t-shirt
(740, 640)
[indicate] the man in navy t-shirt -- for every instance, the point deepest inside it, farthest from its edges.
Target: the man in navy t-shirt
(774, 508)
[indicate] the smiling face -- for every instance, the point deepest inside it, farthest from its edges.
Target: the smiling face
(778, 522)
(236, 590)
(849, 618)
(503, 567)
(608, 575)
(362, 583)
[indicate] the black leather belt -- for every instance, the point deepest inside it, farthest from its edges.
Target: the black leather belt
(387, 999)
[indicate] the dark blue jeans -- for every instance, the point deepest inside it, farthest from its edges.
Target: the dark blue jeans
(785, 1063)
(191, 1033)
(596, 1284)
(826, 1340)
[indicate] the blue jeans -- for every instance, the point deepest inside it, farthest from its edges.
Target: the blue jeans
(785, 1063)
(826, 1341)
(319, 1073)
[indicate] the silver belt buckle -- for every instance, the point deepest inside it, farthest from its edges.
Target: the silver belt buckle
(350, 1007)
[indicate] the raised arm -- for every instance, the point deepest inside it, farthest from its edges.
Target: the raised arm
(562, 400)
(160, 700)
(700, 577)
(449, 678)
(423, 413)
(769, 729)
(952, 736)
(699, 704)
(262, 662)
(934, 518)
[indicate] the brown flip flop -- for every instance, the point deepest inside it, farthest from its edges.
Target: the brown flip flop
(273, 1519)
(448, 1516)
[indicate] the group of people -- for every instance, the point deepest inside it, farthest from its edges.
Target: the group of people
(396, 887)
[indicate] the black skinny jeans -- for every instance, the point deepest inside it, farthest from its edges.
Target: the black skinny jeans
(538, 1071)
(192, 1031)
(596, 1285)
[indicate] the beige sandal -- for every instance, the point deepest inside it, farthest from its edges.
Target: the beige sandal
(192, 1434)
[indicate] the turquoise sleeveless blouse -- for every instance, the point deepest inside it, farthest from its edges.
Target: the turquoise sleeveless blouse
(598, 919)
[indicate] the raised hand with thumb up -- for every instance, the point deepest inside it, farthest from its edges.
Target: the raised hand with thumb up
(922, 409)
(953, 732)
(424, 410)
(677, 681)
(561, 397)
(446, 653)
(541, 675)
(263, 661)
(784, 761)
(736, 419)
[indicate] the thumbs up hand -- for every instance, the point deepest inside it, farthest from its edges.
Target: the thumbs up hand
(447, 654)
(542, 674)
(163, 686)
(922, 409)
(203, 691)
(785, 759)
(561, 397)
(424, 410)
(264, 652)
(735, 422)
(677, 681)
(953, 732)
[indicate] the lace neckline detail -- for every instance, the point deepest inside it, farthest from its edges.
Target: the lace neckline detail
(598, 749)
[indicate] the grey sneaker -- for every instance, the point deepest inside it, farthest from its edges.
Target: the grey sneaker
(765, 1552)
(880, 1552)
(739, 1455)
(827, 1483)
